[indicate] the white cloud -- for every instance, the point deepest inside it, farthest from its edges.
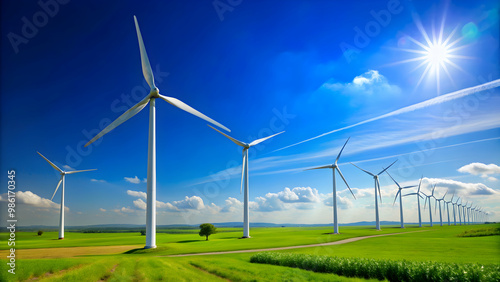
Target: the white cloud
(492, 179)
(459, 188)
(369, 83)
(481, 169)
(137, 194)
(342, 202)
(33, 199)
(124, 210)
(232, 205)
(140, 204)
(97, 180)
(67, 167)
(145, 180)
(297, 194)
(168, 206)
(134, 180)
(101, 209)
(189, 203)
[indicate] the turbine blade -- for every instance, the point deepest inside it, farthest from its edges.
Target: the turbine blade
(408, 187)
(76, 171)
(342, 150)
(53, 165)
(393, 179)
(183, 106)
(146, 67)
(121, 119)
(364, 170)
(319, 167)
(426, 202)
(243, 170)
(395, 198)
(255, 142)
(387, 167)
(419, 183)
(343, 178)
(244, 145)
(378, 187)
(57, 187)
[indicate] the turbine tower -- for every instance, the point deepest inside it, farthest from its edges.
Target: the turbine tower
(244, 175)
(448, 208)
(377, 187)
(335, 167)
(62, 179)
(459, 208)
(430, 207)
(468, 213)
(400, 199)
(151, 99)
(418, 202)
(438, 202)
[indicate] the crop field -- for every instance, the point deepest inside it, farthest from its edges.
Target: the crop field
(120, 257)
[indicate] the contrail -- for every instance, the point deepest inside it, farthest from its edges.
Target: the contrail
(434, 101)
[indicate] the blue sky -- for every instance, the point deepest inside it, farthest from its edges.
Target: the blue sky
(306, 67)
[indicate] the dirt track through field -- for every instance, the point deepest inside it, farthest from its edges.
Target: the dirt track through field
(345, 241)
(69, 251)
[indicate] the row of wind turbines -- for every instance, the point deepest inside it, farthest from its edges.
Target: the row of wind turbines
(151, 171)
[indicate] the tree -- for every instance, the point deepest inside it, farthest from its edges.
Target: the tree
(143, 232)
(207, 229)
(40, 232)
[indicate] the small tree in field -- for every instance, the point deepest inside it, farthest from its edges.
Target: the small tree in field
(143, 232)
(207, 229)
(40, 232)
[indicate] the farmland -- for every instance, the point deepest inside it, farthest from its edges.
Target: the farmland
(120, 257)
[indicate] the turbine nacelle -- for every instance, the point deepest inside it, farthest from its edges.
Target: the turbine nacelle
(155, 93)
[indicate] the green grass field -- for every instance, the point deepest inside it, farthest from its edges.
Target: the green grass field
(439, 244)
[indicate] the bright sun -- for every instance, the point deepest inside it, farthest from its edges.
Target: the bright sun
(434, 55)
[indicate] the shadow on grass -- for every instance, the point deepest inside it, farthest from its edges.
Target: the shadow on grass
(189, 241)
(145, 251)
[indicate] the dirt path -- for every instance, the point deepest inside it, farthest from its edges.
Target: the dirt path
(69, 252)
(345, 241)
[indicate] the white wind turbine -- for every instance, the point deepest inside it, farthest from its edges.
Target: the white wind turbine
(418, 202)
(468, 213)
(377, 187)
(430, 207)
(438, 202)
(244, 175)
(335, 167)
(448, 208)
(150, 98)
(62, 179)
(459, 208)
(464, 210)
(400, 199)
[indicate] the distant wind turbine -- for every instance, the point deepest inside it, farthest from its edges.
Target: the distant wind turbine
(459, 208)
(438, 202)
(377, 187)
(428, 197)
(448, 208)
(62, 179)
(244, 175)
(400, 199)
(150, 98)
(418, 202)
(335, 167)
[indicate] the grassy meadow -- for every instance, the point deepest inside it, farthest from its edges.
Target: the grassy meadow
(120, 257)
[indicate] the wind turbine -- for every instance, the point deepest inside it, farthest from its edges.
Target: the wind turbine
(458, 208)
(150, 98)
(335, 167)
(400, 199)
(430, 207)
(438, 202)
(62, 179)
(464, 210)
(448, 208)
(418, 202)
(244, 175)
(377, 187)
(468, 213)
